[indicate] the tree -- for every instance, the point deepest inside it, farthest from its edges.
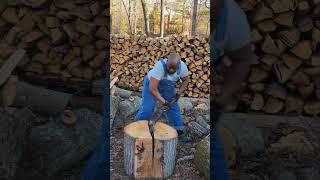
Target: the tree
(161, 18)
(194, 17)
(146, 17)
(134, 17)
(128, 12)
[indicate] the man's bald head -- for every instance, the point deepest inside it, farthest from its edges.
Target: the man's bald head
(173, 62)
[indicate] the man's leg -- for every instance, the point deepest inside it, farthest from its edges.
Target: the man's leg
(220, 170)
(174, 117)
(148, 103)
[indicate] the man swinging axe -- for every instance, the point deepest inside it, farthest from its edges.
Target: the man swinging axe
(231, 34)
(159, 85)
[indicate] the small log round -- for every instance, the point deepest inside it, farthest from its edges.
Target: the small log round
(146, 156)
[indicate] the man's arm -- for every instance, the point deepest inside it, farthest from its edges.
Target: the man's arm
(153, 87)
(237, 73)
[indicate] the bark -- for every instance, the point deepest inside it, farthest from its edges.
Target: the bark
(161, 19)
(194, 17)
(146, 17)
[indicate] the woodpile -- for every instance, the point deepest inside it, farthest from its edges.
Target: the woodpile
(64, 40)
(285, 37)
(132, 56)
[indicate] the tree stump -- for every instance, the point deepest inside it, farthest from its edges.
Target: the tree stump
(146, 156)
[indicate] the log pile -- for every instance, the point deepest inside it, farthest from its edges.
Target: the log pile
(285, 37)
(132, 56)
(64, 40)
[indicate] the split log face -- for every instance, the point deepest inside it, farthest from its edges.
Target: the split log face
(146, 156)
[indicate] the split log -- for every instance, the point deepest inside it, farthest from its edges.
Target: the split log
(8, 91)
(146, 156)
(273, 105)
(257, 102)
(13, 134)
(10, 64)
(39, 99)
(54, 147)
(91, 103)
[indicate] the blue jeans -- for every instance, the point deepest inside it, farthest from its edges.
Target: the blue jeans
(219, 169)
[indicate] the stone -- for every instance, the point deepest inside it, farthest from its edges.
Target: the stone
(293, 143)
(185, 105)
(126, 108)
(249, 137)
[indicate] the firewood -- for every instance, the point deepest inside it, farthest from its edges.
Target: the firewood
(39, 99)
(291, 62)
(312, 108)
(11, 35)
(304, 23)
(35, 3)
(151, 149)
(257, 87)
(289, 37)
(312, 71)
(277, 91)
(258, 102)
(95, 8)
(283, 73)
(82, 12)
(69, 29)
(102, 33)
(34, 67)
(10, 15)
(52, 22)
(262, 13)
(257, 75)
(84, 27)
(300, 78)
(57, 36)
(293, 104)
(88, 52)
(10, 64)
(302, 49)
(315, 59)
(32, 36)
(303, 7)
(306, 91)
(285, 19)
(5, 50)
(8, 91)
(256, 36)
(267, 26)
(272, 47)
(273, 105)
(269, 59)
(315, 38)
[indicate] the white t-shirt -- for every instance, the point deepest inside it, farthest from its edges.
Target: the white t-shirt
(158, 72)
(237, 29)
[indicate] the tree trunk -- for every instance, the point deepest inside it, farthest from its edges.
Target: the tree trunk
(128, 15)
(56, 147)
(134, 17)
(161, 19)
(39, 99)
(149, 156)
(194, 17)
(146, 17)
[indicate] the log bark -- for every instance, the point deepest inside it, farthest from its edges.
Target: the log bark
(54, 147)
(146, 156)
(39, 99)
(13, 134)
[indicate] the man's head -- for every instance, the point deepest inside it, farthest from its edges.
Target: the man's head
(173, 63)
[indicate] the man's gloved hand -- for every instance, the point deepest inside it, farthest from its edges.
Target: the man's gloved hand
(175, 98)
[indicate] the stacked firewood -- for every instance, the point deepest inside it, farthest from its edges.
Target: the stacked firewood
(285, 37)
(64, 40)
(132, 56)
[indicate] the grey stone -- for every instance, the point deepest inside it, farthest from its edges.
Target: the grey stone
(200, 120)
(185, 104)
(126, 108)
(249, 137)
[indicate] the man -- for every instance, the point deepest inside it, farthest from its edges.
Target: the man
(231, 34)
(160, 86)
